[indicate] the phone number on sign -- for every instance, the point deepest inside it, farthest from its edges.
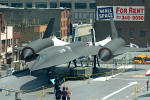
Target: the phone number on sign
(130, 18)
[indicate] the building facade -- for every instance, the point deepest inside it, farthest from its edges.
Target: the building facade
(8, 40)
(82, 11)
(6, 44)
(31, 23)
(136, 32)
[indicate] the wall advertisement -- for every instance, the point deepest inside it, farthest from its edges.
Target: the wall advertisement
(121, 13)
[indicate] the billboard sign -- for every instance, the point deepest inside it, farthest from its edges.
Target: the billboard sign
(121, 13)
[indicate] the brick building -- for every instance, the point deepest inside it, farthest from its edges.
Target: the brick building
(132, 31)
(32, 22)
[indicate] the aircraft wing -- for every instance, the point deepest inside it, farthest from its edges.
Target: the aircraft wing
(128, 49)
(57, 55)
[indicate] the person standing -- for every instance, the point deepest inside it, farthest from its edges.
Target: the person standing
(58, 94)
(64, 94)
(147, 85)
(57, 80)
(56, 84)
(68, 94)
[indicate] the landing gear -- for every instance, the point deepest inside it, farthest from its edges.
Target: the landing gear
(74, 62)
(95, 62)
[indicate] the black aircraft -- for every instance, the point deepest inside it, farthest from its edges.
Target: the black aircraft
(44, 54)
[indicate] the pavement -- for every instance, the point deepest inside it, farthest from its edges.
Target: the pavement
(119, 87)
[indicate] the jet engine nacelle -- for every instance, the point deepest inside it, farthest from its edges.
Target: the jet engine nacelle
(105, 54)
(107, 51)
(29, 51)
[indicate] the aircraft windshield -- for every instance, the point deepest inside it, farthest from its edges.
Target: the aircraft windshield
(40, 57)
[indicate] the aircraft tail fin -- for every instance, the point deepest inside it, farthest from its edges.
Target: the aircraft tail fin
(49, 28)
(113, 29)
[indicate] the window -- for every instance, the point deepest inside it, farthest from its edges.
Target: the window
(29, 5)
(80, 15)
(76, 15)
(4, 4)
(8, 42)
(53, 5)
(94, 14)
(17, 5)
(92, 5)
(65, 5)
(40, 5)
(79, 38)
(131, 33)
(143, 1)
(68, 14)
(132, 1)
(84, 22)
(64, 23)
(76, 21)
(91, 21)
(119, 32)
(64, 15)
(142, 34)
(61, 23)
(84, 15)
(91, 15)
(4, 29)
(80, 5)
(65, 32)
